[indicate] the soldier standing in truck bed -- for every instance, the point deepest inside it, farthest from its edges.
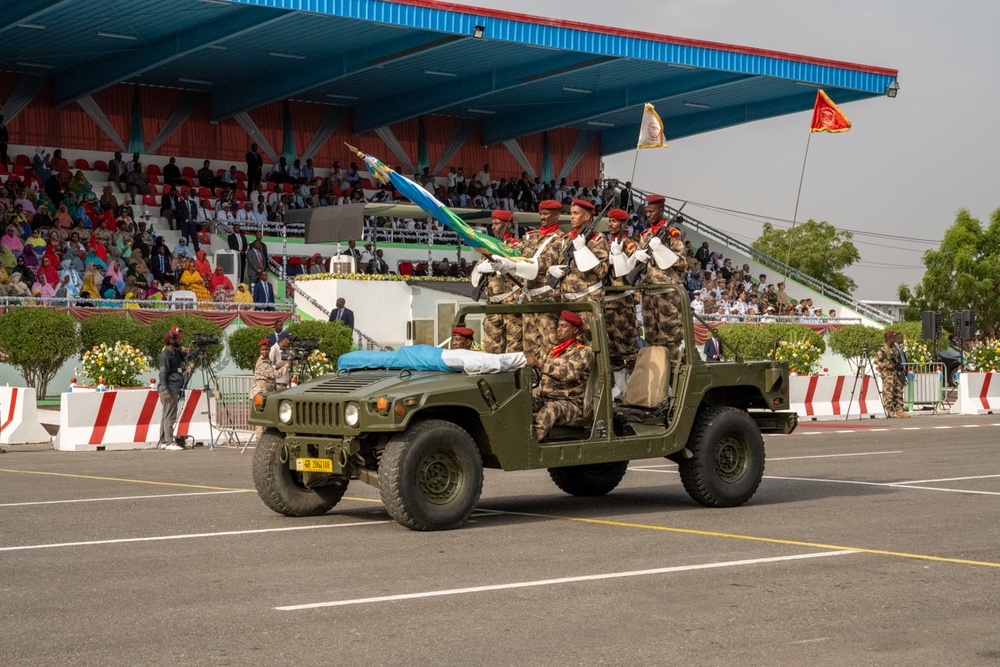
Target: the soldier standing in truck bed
(542, 248)
(661, 309)
(619, 307)
(584, 262)
(501, 333)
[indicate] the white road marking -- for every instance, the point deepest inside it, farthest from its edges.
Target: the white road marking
(563, 580)
(938, 488)
(941, 427)
(948, 479)
(913, 428)
(96, 500)
(190, 536)
(829, 481)
(893, 485)
(828, 456)
(971, 425)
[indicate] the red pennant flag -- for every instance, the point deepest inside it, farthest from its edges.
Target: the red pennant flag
(827, 117)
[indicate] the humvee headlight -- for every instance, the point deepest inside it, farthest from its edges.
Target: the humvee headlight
(285, 412)
(351, 414)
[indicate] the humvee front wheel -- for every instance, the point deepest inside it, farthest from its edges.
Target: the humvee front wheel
(431, 475)
(728, 461)
(281, 489)
(596, 479)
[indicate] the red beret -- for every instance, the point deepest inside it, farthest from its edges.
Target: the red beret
(506, 216)
(585, 205)
(617, 214)
(571, 317)
(656, 199)
(463, 331)
(263, 342)
(550, 205)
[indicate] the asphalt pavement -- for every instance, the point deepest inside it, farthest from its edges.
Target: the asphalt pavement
(868, 543)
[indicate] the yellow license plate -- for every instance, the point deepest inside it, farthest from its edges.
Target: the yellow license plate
(314, 465)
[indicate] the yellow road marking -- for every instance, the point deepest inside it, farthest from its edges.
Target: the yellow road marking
(120, 479)
(752, 538)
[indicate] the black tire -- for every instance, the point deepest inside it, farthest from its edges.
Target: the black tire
(281, 489)
(430, 476)
(728, 461)
(596, 479)
(951, 376)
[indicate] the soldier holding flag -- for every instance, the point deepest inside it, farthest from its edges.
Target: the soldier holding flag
(501, 333)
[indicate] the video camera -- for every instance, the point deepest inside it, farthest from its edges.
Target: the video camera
(198, 347)
(300, 349)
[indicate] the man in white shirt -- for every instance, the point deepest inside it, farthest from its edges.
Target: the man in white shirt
(260, 214)
(452, 179)
(482, 179)
(697, 305)
(245, 214)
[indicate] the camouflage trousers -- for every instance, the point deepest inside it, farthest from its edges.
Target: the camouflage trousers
(661, 318)
(892, 394)
(549, 413)
(540, 333)
(623, 330)
(502, 333)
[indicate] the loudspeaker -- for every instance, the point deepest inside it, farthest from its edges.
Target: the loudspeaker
(930, 325)
(965, 324)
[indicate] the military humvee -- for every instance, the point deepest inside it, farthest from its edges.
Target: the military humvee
(423, 438)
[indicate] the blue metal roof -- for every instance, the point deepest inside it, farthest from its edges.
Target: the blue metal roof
(394, 60)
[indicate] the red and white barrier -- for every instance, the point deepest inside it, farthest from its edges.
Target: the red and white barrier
(114, 420)
(826, 398)
(978, 394)
(19, 424)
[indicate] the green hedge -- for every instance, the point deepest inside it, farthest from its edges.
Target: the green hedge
(111, 329)
(755, 342)
(243, 345)
(848, 341)
(914, 331)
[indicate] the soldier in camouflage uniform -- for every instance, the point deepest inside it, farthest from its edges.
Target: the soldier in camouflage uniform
(564, 372)
(584, 262)
(541, 248)
(661, 310)
(501, 333)
(619, 307)
(890, 366)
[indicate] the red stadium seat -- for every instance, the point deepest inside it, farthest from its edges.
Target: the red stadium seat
(219, 173)
(241, 175)
(153, 178)
(82, 164)
(3, 168)
(406, 268)
(286, 188)
(150, 200)
(167, 188)
(188, 173)
(100, 165)
(240, 196)
(23, 160)
(204, 192)
(153, 169)
(19, 169)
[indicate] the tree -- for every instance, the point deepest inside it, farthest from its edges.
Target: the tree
(243, 348)
(814, 248)
(962, 274)
(111, 329)
(38, 342)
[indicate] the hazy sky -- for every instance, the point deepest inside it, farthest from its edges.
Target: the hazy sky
(905, 167)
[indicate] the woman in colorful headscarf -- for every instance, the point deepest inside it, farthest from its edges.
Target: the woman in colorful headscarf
(242, 294)
(108, 201)
(46, 289)
(108, 289)
(202, 265)
(19, 219)
(154, 293)
(91, 279)
(36, 242)
(93, 259)
(191, 280)
(17, 285)
(62, 218)
(60, 167)
(43, 170)
(49, 270)
(116, 276)
(8, 260)
(67, 289)
(140, 269)
(78, 183)
(220, 286)
(12, 240)
(67, 269)
(27, 275)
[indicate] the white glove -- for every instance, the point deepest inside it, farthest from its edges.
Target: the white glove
(641, 255)
(504, 265)
(485, 268)
(655, 243)
(616, 247)
(579, 243)
(557, 271)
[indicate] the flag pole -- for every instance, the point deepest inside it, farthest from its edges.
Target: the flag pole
(798, 196)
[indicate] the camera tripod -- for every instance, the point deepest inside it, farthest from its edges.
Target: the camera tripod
(865, 363)
(209, 379)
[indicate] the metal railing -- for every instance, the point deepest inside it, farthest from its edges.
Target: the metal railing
(826, 290)
(232, 408)
(784, 319)
(364, 341)
(925, 384)
(128, 304)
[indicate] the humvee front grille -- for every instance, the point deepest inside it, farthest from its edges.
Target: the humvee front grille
(317, 415)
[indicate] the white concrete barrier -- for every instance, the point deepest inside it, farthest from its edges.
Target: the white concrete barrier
(19, 424)
(125, 419)
(978, 394)
(827, 398)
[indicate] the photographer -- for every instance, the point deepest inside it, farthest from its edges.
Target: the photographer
(170, 385)
(281, 359)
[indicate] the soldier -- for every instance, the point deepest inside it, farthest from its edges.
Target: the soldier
(461, 338)
(501, 333)
(902, 376)
(661, 310)
(564, 371)
(619, 307)
(584, 261)
(542, 249)
(889, 365)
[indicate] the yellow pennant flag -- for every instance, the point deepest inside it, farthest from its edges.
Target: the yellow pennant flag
(651, 129)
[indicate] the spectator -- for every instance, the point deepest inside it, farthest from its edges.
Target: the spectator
(117, 170)
(40, 163)
(255, 168)
(272, 338)
(172, 175)
(206, 178)
(482, 179)
(308, 171)
(263, 292)
(343, 314)
(377, 265)
(187, 219)
(168, 208)
(256, 257)
(136, 181)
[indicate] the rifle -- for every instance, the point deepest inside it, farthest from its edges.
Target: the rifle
(587, 232)
(639, 270)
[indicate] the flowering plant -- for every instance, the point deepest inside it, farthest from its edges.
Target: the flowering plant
(984, 357)
(916, 351)
(116, 364)
(318, 364)
(802, 356)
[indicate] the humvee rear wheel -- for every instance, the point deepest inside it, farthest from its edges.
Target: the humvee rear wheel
(431, 476)
(281, 489)
(596, 479)
(728, 461)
